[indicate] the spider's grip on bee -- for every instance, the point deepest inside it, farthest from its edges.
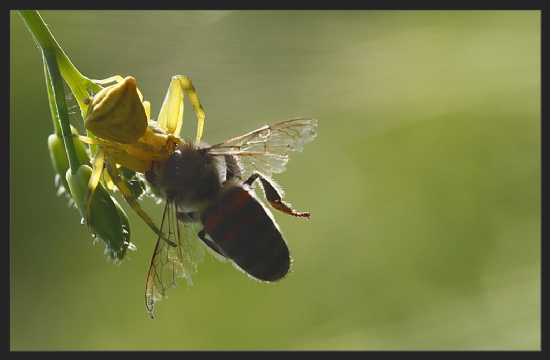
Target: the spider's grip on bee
(206, 198)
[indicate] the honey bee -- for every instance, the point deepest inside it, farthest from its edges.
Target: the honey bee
(207, 196)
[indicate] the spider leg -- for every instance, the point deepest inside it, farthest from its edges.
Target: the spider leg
(97, 167)
(138, 165)
(171, 112)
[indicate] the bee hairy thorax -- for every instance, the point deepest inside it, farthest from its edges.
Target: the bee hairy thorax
(190, 175)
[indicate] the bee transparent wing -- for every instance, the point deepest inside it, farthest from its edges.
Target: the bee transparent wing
(266, 149)
(169, 262)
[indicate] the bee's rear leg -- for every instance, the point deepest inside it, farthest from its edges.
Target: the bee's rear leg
(275, 196)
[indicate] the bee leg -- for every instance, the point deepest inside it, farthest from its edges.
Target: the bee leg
(233, 170)
(186, 217)
(189, 218)
(274, 196)
(152, 178)
(209, 243)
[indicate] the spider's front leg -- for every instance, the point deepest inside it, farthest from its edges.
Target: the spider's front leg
(171, 113)
(97, 167)
(136, 165)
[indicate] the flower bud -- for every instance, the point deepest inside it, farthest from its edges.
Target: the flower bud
(109, 222)
(60, 161)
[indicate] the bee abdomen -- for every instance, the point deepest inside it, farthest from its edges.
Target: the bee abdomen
(245, 233)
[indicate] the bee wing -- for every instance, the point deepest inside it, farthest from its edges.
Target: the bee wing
(266, 149)
(169, 262)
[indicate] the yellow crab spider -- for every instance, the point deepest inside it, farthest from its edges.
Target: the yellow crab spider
(127, 137)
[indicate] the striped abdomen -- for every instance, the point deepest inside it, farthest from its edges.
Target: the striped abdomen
(245, 233)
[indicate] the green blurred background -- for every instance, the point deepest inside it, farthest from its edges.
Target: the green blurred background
(423, 182)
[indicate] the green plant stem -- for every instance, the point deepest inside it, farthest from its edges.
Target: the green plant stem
(61, 107)
(48, 46)
(45, 40)
(58, 66)
(51, 100)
